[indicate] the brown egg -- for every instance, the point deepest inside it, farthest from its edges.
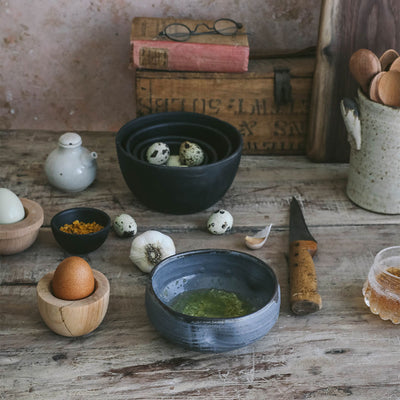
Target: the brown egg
(73, 279)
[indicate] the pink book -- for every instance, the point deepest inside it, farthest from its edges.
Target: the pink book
(205, 52)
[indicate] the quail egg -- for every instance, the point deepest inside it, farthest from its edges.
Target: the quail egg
(174, 161)
(191, 154)
(220, 222)
(158, 153)
(125, 226)
(11, 208)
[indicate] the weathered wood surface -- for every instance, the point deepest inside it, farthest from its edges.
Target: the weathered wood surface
(341, 351)
(246, 100)
(345, 26)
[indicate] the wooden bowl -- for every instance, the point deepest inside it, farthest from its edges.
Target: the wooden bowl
(73, 317)
(17, 237)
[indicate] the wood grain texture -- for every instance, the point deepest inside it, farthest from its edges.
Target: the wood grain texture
(19, 236)
(345, 26)
(246, 100)
(341, 351)
(304, 296)
(73, 318)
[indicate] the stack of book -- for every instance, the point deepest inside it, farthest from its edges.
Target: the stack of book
(200, 52)
(267, 100)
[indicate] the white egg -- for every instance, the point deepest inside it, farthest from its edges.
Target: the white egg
(11, 208)
(174, 161)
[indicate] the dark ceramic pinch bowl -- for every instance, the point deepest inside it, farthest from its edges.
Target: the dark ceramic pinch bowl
(177, 190)
(80, 244)
(247, 276)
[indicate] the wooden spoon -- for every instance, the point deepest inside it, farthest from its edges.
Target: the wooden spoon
(395, 66)
(373, 87)
(387, 58)
(364, 65)
(389, 88)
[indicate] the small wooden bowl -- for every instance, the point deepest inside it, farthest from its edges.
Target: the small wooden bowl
(17, 237)
(73, 317)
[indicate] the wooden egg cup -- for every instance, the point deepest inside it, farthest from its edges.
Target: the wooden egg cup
(73, 317)
(20, 235)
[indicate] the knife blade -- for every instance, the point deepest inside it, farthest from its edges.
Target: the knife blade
(304, 296)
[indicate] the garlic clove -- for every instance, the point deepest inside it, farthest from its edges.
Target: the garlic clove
(149, 248)
(259, 239)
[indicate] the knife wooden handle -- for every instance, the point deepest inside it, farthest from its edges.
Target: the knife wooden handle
(304, 298)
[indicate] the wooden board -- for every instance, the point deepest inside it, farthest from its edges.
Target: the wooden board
(342, 351)
(345, 26)
(248, 101)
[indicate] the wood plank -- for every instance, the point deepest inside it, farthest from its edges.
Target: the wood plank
(343, 350)
(246, 100)
(259, 195)
(302, 357)
(345, 26)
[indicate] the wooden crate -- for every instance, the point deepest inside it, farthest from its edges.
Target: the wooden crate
(269, 104)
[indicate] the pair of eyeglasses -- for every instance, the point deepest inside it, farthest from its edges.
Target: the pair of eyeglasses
(182, 33)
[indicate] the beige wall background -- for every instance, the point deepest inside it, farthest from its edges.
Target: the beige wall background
(64, 63)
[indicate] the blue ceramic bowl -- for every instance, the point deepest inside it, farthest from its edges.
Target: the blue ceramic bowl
(247, 276)
(80, 244)
(177, 190)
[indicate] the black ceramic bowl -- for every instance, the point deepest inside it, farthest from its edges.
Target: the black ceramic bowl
(179, 190)
(80, 244)
(245, 275)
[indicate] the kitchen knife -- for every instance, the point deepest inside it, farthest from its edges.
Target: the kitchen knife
(304, 297)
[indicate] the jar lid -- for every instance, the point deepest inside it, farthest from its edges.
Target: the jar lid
(70, 139)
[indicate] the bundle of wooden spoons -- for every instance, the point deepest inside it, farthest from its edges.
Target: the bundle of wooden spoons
(379, 78)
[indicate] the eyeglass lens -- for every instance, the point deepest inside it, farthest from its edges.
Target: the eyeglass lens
(225, 27)
(178, 32)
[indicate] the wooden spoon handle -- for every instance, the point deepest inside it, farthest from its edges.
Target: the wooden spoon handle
(304, 297)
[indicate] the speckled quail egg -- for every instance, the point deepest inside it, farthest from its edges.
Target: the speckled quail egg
(220, 222)
(158, 153)
(174, 161)
(191, 154)
(125, 226)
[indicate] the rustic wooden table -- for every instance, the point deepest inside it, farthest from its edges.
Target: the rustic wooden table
(341, 351)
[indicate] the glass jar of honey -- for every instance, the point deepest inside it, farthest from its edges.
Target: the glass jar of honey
(382, 288)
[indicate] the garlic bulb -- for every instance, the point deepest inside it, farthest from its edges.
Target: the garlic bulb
(149, 248)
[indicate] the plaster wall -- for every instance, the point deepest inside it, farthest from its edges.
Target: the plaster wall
(64, 63)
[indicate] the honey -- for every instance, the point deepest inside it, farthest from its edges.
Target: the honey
(382, 289)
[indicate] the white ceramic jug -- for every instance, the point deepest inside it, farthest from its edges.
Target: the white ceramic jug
(71, 167)
(374, 170)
